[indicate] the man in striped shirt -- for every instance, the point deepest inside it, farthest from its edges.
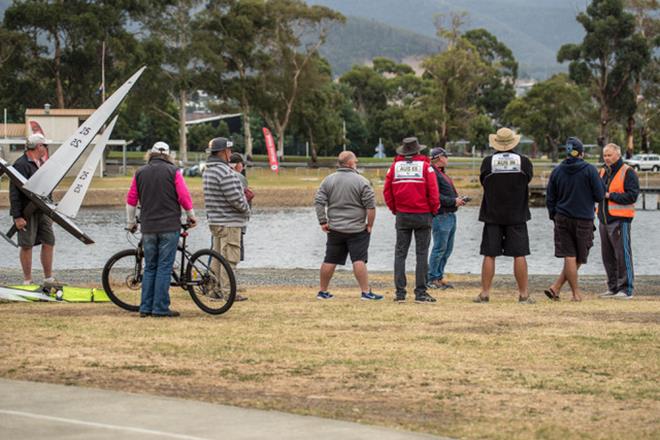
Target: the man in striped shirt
(227, 208)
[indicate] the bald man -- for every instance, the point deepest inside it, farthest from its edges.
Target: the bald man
(346, 210)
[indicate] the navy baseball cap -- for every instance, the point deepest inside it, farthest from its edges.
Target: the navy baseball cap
(437, 152)
(574, 147)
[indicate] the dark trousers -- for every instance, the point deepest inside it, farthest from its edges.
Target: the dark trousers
(406, 225)
(617, 256)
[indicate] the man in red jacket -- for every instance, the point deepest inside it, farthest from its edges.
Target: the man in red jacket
(411, 193)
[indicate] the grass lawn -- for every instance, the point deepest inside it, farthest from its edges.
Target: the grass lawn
(501, 370)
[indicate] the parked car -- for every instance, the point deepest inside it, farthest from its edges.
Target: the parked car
(645, 162)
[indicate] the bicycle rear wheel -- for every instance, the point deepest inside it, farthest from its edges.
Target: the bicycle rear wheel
(122, 279)
(211, 282)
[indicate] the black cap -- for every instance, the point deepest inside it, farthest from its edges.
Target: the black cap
(574, 147)
(236, 158)
(219, 144)
(437, 152)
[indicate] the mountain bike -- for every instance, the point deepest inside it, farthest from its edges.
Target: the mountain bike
(205, 274)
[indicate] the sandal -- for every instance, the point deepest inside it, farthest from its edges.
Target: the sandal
(481, 299)
(551, 294)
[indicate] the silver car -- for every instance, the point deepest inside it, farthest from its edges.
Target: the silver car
(645, 162)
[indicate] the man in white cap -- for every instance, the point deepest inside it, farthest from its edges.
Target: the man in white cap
(505, 177)
(33, 228)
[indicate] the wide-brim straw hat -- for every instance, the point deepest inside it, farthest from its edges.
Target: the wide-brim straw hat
(504, 140)
(410, 146)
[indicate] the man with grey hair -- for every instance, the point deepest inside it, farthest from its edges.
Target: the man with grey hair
(615, 215)
(33, 228)
(346, 210)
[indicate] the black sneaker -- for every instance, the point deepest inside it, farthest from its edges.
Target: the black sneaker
(426, 298)
(400, 298)
(144, 314)
(168, 314)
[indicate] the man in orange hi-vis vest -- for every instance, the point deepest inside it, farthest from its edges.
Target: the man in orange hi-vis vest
(615, 214)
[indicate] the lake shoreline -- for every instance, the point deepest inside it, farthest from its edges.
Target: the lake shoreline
(381, 281)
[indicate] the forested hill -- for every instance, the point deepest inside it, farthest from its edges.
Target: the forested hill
(533, 29)
(360, 40)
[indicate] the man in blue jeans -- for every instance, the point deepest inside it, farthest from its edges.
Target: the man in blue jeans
(444, 222)
(161, 192)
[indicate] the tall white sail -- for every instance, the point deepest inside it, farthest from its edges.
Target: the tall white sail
(70, 203)
(44, 181)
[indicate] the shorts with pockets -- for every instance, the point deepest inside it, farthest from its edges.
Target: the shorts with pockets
(339, 245)
(39, 230)
(508, 240)
(574, 237)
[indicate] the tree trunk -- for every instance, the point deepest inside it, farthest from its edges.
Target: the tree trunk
(604, 123)
(644, 135)
(279, 129)
(312, 145)
(554, 148)
(630, 129)
(247, 133)
(59, 90)
(183, 143)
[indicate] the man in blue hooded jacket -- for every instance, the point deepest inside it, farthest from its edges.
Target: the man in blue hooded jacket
(573, 190)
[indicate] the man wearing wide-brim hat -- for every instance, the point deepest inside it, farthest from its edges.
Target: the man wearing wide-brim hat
(411, 193)
(505, 177)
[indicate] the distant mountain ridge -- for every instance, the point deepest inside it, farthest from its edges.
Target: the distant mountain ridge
(360, 40)
(533, 29)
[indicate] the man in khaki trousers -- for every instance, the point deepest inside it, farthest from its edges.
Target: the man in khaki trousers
(226, 206)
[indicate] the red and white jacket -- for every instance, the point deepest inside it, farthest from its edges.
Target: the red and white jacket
(411, 186)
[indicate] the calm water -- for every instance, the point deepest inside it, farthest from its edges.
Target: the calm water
(291, 238)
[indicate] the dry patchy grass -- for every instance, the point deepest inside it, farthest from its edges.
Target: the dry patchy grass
(502, 370)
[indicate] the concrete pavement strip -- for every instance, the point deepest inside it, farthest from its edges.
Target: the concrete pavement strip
(30, 410)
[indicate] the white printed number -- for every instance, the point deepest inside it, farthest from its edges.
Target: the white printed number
(505, 163)
(409, 170)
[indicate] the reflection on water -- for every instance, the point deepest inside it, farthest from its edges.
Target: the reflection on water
(291, 238)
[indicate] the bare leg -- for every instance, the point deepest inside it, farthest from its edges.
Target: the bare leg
(327, 270)
(561, 280)
(361, 275)
(25, 255)
(520, 272)
(487, 274)
(47, 259)
(571, 274)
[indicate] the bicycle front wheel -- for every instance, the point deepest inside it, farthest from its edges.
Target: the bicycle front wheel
(122, 279)
(211, 281)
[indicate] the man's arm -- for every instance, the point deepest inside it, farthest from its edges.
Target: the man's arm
(597, 186)
(231, 186)
(387, 190)
(371, 217)
(432, 192)
(528, 168)
(320, 203)
(550, 195)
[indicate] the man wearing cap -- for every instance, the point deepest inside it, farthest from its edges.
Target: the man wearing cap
(161, 192)
(227, 207)
(505, 177)
(237, 163)
(573, 190)
(346, 209)
(33, 228)
(444, 222)
(615, 216)
(411, 193)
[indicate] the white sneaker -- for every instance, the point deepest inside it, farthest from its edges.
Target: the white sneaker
(607, 294)
(621, 295)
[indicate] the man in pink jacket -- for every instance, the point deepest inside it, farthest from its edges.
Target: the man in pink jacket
(161, 192)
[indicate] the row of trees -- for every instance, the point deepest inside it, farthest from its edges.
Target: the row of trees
(260, 58)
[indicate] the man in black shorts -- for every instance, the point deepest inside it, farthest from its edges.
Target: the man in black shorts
(573, 190)
(36, 228)
(346, 210)
(505, 177)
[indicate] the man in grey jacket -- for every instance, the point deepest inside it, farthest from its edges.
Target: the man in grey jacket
(346, 210)
(227, 208)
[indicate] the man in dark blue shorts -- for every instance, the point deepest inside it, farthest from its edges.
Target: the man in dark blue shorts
(346, 210)
(505, 177)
